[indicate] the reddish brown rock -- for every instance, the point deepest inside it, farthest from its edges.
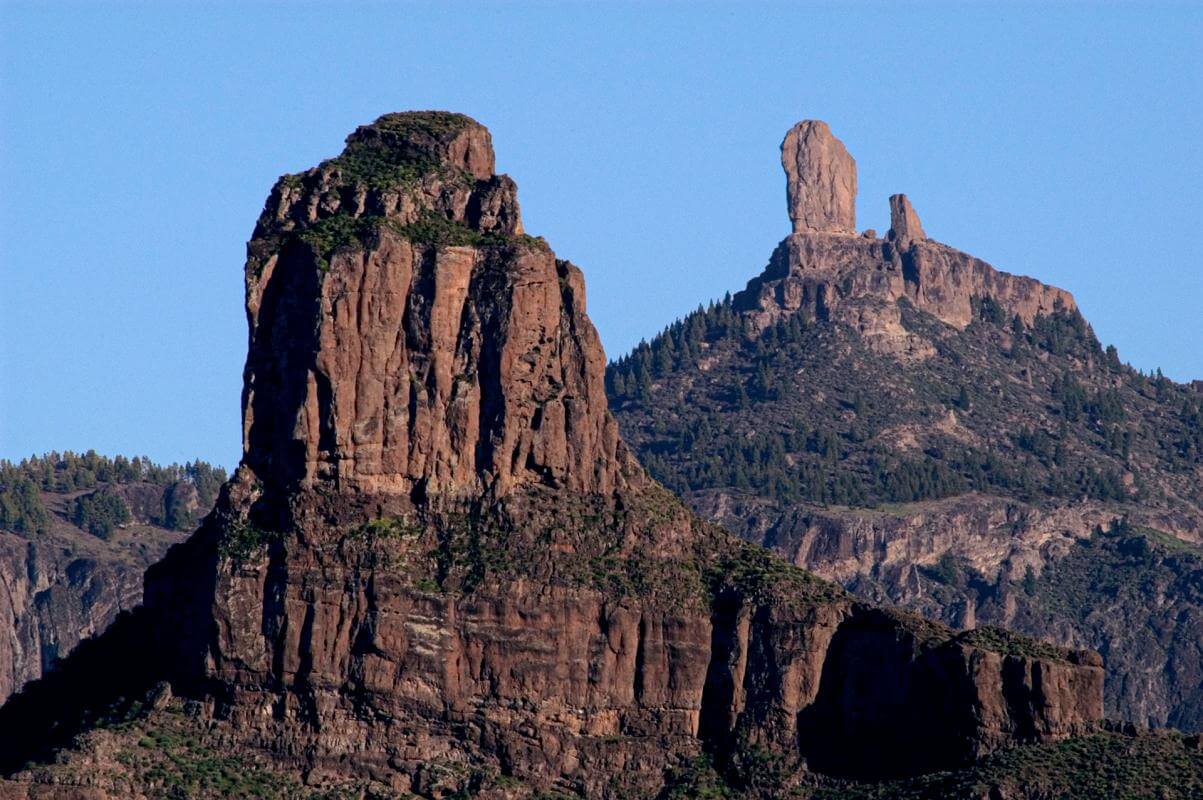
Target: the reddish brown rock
(821, 186)
(904, 222)
(417, 359)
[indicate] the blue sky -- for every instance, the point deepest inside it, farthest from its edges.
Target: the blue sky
(138, 142)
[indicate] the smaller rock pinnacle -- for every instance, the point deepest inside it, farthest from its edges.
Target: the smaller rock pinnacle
(904, 222)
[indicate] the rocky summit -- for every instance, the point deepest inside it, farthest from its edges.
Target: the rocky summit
(901, 417)
(438, 570)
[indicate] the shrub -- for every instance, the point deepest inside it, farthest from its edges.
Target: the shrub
(100, 512)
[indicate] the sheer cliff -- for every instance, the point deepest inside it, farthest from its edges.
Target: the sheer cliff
(901, 417)
(439, 570)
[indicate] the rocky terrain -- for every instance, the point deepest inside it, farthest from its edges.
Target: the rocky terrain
(905, 419)
(65, 574)
(439, 570)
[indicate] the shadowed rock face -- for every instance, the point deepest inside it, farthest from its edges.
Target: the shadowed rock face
(821, 186)
(437, 552)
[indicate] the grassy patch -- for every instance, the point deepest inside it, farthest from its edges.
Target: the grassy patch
(1009, 643)
(241, 539)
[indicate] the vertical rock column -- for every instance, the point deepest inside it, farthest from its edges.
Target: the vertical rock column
(904, 222)
(821, 186)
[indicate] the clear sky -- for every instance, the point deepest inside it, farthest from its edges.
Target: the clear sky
(138, 142)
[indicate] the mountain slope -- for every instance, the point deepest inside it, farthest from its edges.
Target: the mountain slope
(76, 534)
(905, 419)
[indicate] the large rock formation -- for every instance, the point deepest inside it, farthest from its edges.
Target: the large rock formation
(821, 186)
(437, 560)
(825, 272)
(902, 417)
(436, 366)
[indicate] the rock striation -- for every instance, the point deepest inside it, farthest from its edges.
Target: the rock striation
(438, 562)
(425, 362)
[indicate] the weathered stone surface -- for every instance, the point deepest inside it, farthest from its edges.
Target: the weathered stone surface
(984, 560)
(859, 281)
(821, 180)
(415, 366)
(904, 222)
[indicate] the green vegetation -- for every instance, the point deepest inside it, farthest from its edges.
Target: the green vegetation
(435, 229)
(186, 767)
(806, 412)
(100, 512)
(326, 236)
(398, 149)
(241, 539)
(762, 575)
(1009, 643)
(1110, 765)
(168, 754)
(697, 779)
(69, 472)
(21, 507)
(1117, 561)
(1157, 766)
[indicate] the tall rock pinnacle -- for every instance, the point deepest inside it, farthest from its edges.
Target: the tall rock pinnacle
(406, 337)
(904, 222)
(821, 179)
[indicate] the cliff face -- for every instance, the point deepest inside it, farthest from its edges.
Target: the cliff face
(444, 356)
(63, 585)
(438, 568)
(901, 417)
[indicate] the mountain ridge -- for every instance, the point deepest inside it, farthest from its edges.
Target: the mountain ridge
(857, 373)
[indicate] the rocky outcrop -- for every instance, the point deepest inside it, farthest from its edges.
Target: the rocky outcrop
(1055, 571)
(822, 272)
(437, 557)
(904, 222)
(931, 432)
(821, 180)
